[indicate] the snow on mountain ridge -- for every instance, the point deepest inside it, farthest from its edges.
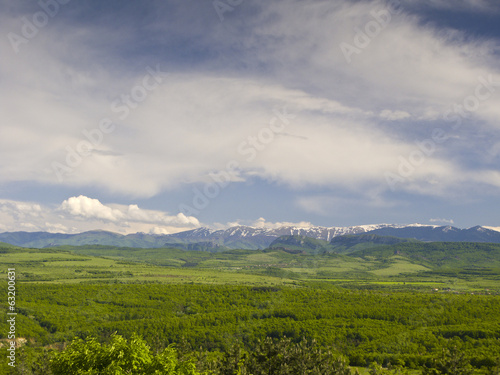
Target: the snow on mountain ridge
(326, 233)
(318, 232)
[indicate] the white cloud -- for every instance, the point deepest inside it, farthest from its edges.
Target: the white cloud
(78, 214)
(22, 210)
(159, 230)
(442, 221)
(89, 208)
(262, 223)
(22, 216)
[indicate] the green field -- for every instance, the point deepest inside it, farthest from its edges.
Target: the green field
(274, 267)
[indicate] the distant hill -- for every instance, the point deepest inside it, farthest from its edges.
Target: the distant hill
(202, 246)
(45, 239)
(297, 244)
(241, 237)
(340, 244)
(441, 234)
(439, 254)
(4, 245)
(346, 244)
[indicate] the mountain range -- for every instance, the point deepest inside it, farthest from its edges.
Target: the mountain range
(243, 237)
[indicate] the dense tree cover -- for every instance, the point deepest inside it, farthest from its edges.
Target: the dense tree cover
(134, 356)
(452, 361)
(269, 357)
(438, 255)
(406, 328)
(281, 357)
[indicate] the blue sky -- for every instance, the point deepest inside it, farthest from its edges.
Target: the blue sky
(161, 116)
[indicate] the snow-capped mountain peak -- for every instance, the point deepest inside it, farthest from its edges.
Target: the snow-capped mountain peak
(245, 237)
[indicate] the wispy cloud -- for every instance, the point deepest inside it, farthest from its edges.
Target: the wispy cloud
(264, 224)
(442, 221)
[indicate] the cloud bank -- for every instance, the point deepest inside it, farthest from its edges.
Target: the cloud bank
(81, 213)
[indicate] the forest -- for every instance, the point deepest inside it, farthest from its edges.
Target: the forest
(262, 319)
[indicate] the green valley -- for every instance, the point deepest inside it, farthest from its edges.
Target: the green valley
(395, 304)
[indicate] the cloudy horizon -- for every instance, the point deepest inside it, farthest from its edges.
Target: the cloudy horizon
(163, 116)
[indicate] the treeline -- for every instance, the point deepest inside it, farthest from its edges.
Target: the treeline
(404, 328)
(270, 357)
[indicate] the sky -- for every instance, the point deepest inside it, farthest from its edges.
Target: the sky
(159, 116)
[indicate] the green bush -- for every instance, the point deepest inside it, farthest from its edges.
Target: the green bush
(119, 356)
